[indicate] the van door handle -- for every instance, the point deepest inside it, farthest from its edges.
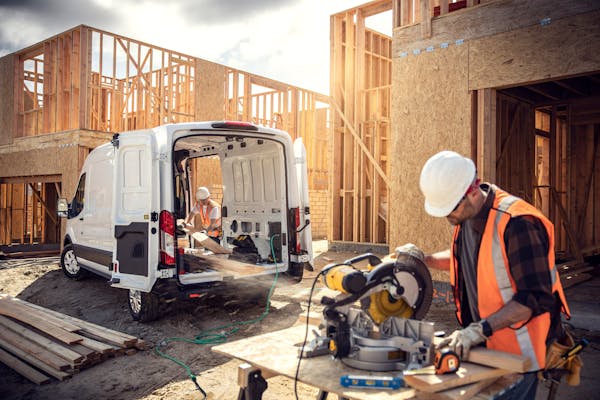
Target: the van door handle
(81, 219)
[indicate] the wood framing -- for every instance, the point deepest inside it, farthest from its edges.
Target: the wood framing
(361, 97)
(64, 96)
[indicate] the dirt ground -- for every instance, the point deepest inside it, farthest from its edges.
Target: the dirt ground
(147, 376)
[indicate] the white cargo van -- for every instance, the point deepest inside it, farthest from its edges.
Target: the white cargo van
(124, 220)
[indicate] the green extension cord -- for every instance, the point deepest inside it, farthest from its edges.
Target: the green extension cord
(214, 336)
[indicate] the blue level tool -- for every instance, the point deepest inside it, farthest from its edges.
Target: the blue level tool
(375, 382)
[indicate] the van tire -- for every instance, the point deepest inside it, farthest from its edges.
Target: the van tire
(69, 264)
(143, 306)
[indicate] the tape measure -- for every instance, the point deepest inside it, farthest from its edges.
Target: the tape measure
(446, 362)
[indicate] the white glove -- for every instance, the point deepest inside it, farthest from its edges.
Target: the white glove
(411, 250)
(461, 341)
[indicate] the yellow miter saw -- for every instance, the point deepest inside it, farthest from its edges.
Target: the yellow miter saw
(373, 324)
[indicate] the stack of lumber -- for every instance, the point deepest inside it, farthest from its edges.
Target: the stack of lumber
(574, 272)
(40, 343)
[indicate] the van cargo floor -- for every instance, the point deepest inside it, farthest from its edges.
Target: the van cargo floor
(204, 263)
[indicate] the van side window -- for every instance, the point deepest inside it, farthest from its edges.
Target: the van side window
(77, 203)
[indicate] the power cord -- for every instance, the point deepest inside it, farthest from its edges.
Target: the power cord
(312, 288)
(213, 336)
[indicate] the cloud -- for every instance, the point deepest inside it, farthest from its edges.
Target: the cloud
(27, 22)
(228, 11)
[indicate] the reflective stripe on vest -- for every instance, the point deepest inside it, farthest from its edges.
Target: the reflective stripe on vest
(504, 285)
(502, 278)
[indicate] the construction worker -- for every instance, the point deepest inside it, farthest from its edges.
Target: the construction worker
(506, 288)
(209, 212)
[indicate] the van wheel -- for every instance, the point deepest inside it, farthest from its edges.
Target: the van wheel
(143, 306)
(69, 264)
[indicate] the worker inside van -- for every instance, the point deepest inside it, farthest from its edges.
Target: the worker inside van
(209, 213)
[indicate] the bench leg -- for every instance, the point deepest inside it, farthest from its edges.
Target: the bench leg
(251, 382)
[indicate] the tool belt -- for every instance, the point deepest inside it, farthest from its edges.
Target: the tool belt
(556, 360)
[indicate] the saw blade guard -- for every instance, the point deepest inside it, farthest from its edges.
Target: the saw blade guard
(408, 290)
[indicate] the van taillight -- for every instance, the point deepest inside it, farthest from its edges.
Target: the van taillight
(296, 226)
(167, 238)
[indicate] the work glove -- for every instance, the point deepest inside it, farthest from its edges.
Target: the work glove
(461, 341)
(411, 250)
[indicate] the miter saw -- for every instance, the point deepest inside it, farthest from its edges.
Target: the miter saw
(373, 323)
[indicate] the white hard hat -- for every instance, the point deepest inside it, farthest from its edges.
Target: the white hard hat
(445, 178)
(202, 193)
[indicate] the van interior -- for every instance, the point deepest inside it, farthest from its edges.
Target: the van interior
(247, 177)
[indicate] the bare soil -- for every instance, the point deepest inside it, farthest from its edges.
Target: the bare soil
(145, 375)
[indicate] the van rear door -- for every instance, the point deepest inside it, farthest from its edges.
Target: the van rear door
(135, 217)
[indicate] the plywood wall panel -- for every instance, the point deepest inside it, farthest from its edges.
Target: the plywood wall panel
(536, 53)
(431, 111)
(210, 91)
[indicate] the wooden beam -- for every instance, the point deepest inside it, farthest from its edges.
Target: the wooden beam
(351, 129)
(44, 206)
(486, 134)
(426, 15)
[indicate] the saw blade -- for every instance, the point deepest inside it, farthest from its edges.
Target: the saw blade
(409, 295)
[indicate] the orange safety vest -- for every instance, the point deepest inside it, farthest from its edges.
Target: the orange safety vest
(205, 218)
(495, 284)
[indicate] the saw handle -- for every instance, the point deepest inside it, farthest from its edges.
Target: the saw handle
(373, 259)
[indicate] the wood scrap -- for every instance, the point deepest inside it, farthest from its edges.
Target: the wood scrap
(40, 338)
(467, 373)
(497, 359)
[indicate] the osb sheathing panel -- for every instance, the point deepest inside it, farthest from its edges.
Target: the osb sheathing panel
(210, 91)
(7, 98)
(53, 154)
(565, 47)
(430, 113)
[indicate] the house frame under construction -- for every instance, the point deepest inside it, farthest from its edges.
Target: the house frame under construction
(64, 96)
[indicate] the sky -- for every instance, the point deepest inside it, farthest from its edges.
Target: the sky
(285, 40)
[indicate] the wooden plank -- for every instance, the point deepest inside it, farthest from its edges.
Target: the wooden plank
(467, 373)
(56, 348)
(459, 393)
(34, 350)
(100, 347)
(23, 369)
(56, 373)
(81, 324)
(499, 359)
(205, 241)
(62, 333)
(113, 340)
(235, 267)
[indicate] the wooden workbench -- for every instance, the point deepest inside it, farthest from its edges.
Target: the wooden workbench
(276, 353)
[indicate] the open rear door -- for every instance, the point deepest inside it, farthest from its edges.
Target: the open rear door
(135, 218)
(302, 180)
